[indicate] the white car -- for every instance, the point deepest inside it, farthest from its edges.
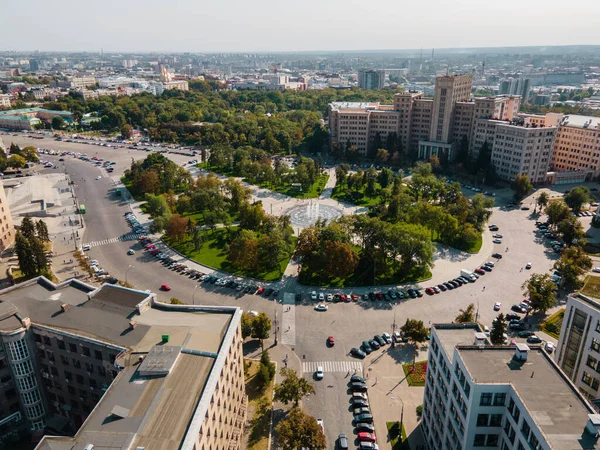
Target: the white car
(94, 262)
(253, 313)
(319, 374)
(497, 241)
(98, 177)
(497, 235)
(321, 296)
(313, 295)
(321, 307)
(528, 265)
(596, 269)
(497, 306)
(550, 347)
(329, 297)
(490, 263)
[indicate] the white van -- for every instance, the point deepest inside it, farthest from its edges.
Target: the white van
(85, 247)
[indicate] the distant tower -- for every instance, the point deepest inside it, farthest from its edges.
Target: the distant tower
(165, 76)
(432, 51)
(483, 69)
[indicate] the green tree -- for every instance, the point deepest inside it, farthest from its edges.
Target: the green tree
(58, 123)
(521, 185)
(126, 131)
(25, 255)
(30, 153)
(266, 372)
(292, 388)
(577, 197)
(541, 291)
(39, 254)
(247, 323)
(42, 230)
(498, 330)
(414, 332)
(16, 162)
(571, 230)
(382, 156)
(557, 211)
(542, 200)
(27, 227)
(156, 205)
(176, 229)
(299, 431)
(341, 259)
(573, 263)
(466, 315)
(175, 301)
(261, 327)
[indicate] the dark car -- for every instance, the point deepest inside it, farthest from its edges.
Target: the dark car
(441, 287)
(357, 379)
(511, 316)
(365, 427)
(342, 442)
(372, 295)
(525, 334)
(368, 418)
(365, 297)
(497, 256)
(517, 326)
(366, 347)
(533, 339)
(453, 283)
(380, 340)
(357, 353)
(419, 293)
(359, 387)
(486, 268)
(449, 286)
(298, 297)
(517, 308)
(374, 344)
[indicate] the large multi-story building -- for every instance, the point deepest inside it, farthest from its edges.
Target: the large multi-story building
(516, 86)
(28, 118)
(111, 367)
(577, 146)
(4, 101)
(371, 79)
(578, 350)
(503, 397)
(7, 228)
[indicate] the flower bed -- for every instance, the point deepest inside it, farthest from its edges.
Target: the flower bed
(415, 374)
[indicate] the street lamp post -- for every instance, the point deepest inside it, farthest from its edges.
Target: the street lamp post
(128, 269)
(276, 329)
(194, 294)
(401, 420)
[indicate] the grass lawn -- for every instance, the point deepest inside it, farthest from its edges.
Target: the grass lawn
(213, 254)
(343, 194)
(591, 286)
(261, 399)
(360, 278)
(19, 277)
(415, 376)
(473, 249)
(393, 434)
(553, 324)
(284, 188)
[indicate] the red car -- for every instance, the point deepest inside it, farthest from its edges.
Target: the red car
(343, 297)
(480, 271)
(330, 341)
(367, 437)
(429, 291)
(379, 296)
(260, 290)
(165, 287)
(355, 297)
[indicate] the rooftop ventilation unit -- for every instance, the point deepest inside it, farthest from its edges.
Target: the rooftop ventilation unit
(521, 352)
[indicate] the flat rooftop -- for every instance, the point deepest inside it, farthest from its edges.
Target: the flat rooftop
(336, 106)
(151, 402)
(451, 335)
(577, 121)
(553, 402)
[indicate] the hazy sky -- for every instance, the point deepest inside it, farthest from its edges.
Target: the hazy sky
(280, 25)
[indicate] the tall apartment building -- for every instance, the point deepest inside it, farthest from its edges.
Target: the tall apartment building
(578, 350)
(371, 79)
(577, 146)
(503, 397)
(516, 86)
(4, 101)
(113, 368)
(7, 228)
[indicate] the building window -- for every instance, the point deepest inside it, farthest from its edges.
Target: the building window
(587, 379)
(98, 355)
(496, 420)
(479, 440)
(73, 348)
(482, 420)
(86, 351)
(525, 429)
(595, 345)
(486, 399)
(500, 399)
(61, 344)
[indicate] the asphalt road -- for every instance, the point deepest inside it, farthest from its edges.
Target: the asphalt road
(302, 328)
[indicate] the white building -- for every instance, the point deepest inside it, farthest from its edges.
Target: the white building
(578, 351)
(4, 101)
(502, 397)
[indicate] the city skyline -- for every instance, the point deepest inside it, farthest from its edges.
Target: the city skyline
(271, 27)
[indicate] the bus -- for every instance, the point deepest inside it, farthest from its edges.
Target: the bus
(82, 209)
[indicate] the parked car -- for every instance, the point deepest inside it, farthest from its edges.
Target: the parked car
(366, 347)
(525, 334)
(534, 339)
(366, 437)
(497, 306)
(357, 379)
(518, 308)
(497, 256)
(165, 287)
(511, 316)
(365, 427)
(342, 442)
(321, 307)
(550, 347)
(359, 387)
(357, 353)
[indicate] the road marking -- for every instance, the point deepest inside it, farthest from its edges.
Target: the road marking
(288, 322)
(125, 237)
(333, 366)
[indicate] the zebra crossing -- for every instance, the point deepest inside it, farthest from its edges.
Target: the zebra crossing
(125, 237)
(333, 366)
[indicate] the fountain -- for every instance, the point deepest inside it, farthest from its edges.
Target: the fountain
(304, 216)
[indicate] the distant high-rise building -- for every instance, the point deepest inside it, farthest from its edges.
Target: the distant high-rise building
(371, 79)
(516, 86)
(34, 65)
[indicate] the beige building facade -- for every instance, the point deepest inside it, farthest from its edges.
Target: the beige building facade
(577, 146)
(7, 227)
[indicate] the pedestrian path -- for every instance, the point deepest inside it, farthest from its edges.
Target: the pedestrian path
(125, 237)
(333, 366)
(288, 322)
